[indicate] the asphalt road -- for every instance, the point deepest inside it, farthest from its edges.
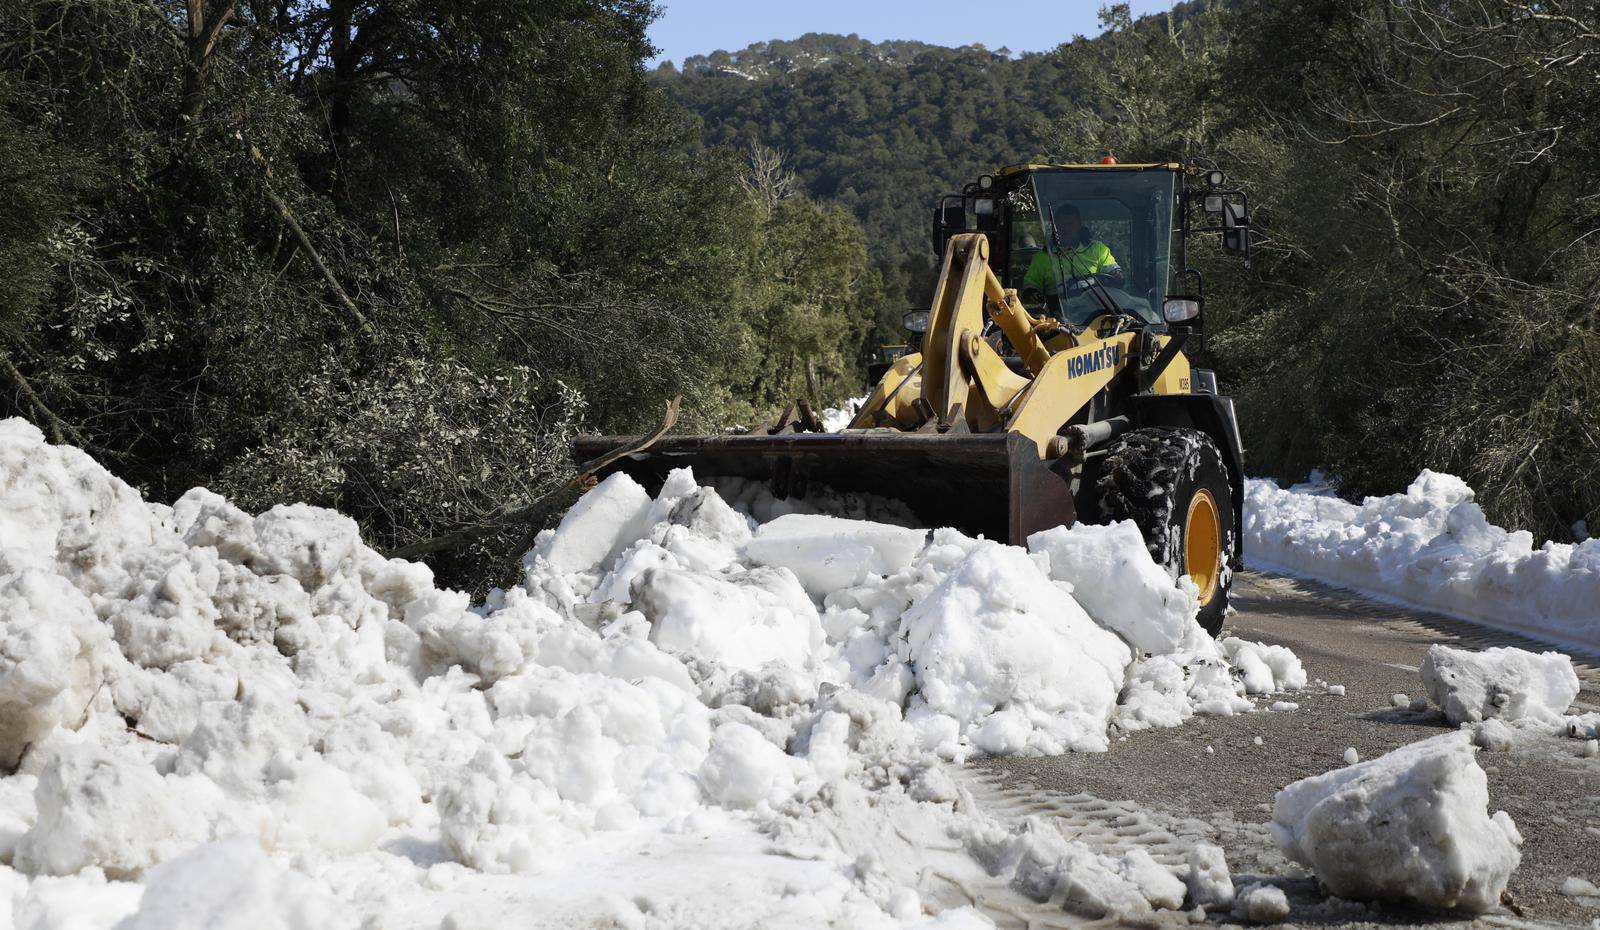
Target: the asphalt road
(1225, 796)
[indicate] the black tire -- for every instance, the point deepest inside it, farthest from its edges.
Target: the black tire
(1151, 476)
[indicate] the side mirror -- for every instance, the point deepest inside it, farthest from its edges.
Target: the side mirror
(1237, 241)
(1181, 309)
(915, 321)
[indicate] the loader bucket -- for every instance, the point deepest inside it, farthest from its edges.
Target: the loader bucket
(992, 484)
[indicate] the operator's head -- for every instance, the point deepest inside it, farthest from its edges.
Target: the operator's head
(1068, 223)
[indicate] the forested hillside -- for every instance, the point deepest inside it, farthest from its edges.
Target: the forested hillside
(879, 129)
(1428, 264)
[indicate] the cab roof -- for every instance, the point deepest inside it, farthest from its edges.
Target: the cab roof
(1009, 170)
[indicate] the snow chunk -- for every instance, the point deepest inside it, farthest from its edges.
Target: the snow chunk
(232, 885)
(69, 903)
(1410, 826)
(1501, 682)
(48, 637)
(1012, 658)
(1164, 691)
(1263, 668)
(1044, 865)
(745, 769)
(744, 620)
(312, 545)
(837, 418)
(1209, 882)
(1114, 579)
(1154, 880)
(96, 809)
(604, 521)
(60, 511)
(1261, 903)
(828, 553)
(1492, 735)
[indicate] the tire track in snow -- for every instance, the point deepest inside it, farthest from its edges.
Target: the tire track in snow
(1111, 828)
(1108, 827)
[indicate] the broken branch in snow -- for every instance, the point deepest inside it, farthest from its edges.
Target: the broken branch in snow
(59, 430)
(530, 513)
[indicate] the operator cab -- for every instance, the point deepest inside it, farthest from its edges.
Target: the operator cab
(1138, 212)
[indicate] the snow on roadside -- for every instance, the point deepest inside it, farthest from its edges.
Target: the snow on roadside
(672, 685)
(1432, 548)
(1410, 826)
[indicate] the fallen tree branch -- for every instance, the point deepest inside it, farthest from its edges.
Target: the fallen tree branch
(60, 431)
(530, 513)
(304, 241)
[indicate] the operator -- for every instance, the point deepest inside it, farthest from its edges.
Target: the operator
(1078, 255)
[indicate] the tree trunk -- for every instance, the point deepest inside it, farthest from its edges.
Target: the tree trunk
(204, 31)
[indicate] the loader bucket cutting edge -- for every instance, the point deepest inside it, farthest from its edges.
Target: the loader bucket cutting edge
(992, 484)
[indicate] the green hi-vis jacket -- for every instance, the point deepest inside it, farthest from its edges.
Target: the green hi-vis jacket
(1070, 263)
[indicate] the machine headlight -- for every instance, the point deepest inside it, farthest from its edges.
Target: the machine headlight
(915, 321)
(1179, 309)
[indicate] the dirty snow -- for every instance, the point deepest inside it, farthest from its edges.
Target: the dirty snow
(709, 709)
(1411, 826)
(1430, 547)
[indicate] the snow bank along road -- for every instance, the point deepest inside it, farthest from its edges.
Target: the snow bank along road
(1432, 547)
(702, 708)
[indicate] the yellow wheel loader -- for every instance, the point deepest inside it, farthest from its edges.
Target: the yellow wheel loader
(1051, 385)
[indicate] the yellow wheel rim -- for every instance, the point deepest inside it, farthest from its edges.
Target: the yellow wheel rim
(1202, 544)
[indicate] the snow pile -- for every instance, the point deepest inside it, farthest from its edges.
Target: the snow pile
(1411, 826)
(1178, 670)
(837, 418)
(674, 681)
(1432, 548)
(1126, 593)
(1511, 685)
(1007, 661)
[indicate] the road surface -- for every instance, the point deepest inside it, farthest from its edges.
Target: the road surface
(1174, 790)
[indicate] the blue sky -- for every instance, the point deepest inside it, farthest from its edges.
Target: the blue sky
(696, 27)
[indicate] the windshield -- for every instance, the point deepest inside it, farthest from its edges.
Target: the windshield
(1114, 225)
